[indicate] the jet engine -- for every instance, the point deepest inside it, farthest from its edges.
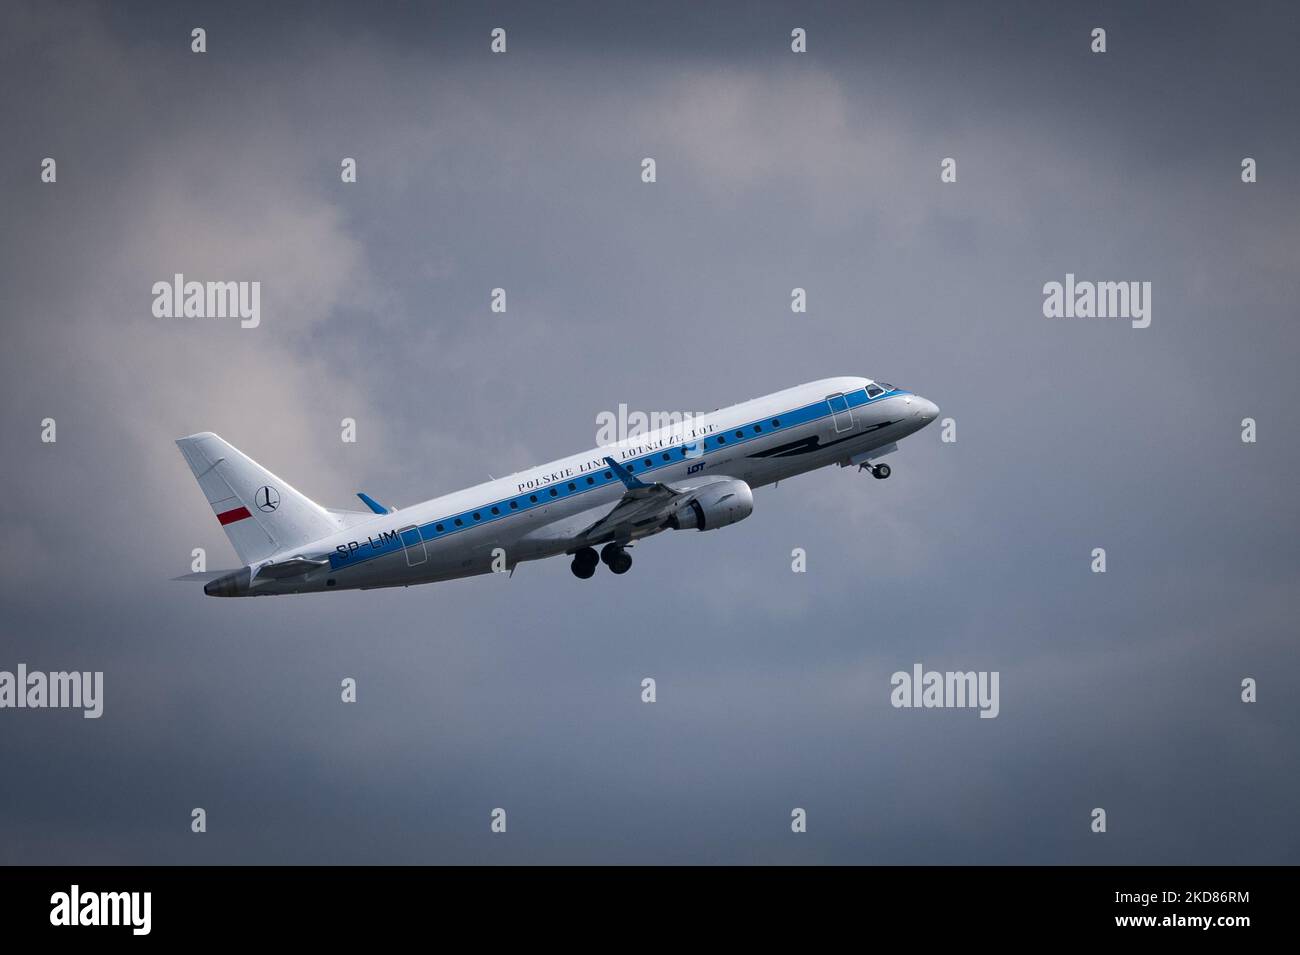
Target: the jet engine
(714, 505)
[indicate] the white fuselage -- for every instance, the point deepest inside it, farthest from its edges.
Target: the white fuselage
(542, 511)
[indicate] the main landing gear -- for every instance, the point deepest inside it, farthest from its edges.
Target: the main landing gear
(880, 472)
(616, 558)
(585, 561)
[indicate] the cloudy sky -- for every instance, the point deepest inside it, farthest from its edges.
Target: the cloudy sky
(775, 170)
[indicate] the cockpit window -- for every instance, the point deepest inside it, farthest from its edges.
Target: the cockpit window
(874, 390)
(884, 384)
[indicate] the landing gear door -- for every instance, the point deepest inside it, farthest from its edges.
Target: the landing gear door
(413, 545)
(841, 413)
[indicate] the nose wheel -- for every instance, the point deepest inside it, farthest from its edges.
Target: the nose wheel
(880, 471)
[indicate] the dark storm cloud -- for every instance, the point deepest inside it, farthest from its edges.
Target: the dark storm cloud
(775, 171)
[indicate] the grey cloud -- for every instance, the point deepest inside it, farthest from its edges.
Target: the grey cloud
(522, 171)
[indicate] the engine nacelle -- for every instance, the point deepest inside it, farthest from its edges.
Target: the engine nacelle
(714, 505)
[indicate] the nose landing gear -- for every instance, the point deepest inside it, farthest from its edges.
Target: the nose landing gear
(880, 472)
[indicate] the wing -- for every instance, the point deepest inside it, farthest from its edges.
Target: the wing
(644, 508)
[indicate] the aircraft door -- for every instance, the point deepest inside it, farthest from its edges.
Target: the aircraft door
(841, 413)
(413, 545)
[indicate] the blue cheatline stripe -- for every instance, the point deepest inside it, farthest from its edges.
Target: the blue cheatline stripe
(387, 542)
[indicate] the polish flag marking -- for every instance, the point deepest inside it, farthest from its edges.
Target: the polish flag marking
(229, 517)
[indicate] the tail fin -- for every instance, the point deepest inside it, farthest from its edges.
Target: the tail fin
(260, 513)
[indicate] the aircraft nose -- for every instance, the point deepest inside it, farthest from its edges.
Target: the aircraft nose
(926, 410)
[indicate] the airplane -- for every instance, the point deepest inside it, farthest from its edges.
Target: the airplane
(696, 474)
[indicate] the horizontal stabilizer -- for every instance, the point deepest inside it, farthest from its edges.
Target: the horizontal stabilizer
(203, 576)
(293, 567)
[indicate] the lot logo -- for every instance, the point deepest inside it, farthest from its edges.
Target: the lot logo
(1131, 300)
(952, 689)
(103, 908)
(181, 299)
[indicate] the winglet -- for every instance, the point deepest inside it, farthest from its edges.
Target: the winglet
(624, 474)
(371, 503)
